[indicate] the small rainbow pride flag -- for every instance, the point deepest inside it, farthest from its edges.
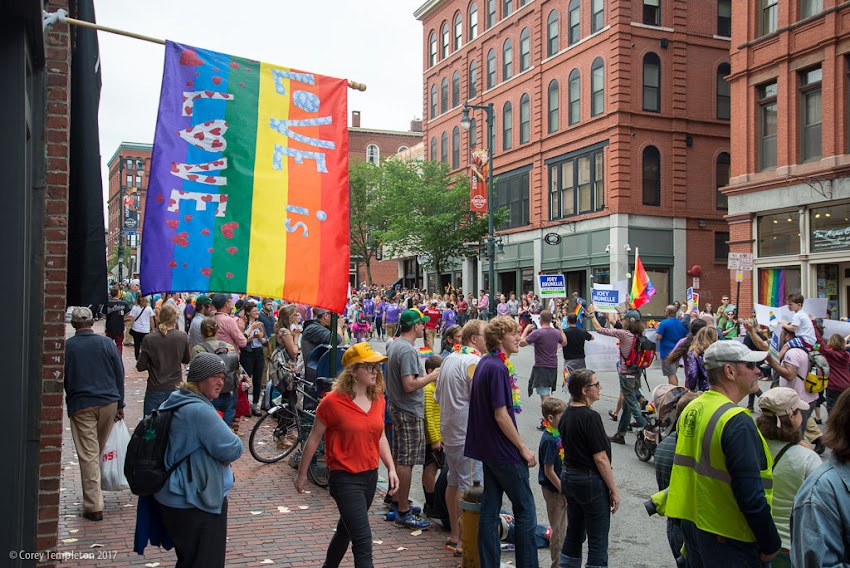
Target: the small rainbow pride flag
(425, 352)
(579, 312)
(249, 181)
(772, 319)
(566, 379)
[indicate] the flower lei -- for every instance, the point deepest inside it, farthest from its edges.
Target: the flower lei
(557, 435)
(464, 350)
(515, 394)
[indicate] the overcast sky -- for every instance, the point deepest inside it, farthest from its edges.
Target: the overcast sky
(377, 42)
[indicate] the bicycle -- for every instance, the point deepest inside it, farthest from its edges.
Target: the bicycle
(287, 425)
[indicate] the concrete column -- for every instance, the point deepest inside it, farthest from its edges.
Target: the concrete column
(425, 282)
(480, 277)
(466, 274)
(680, 255)
(618, 240)
(538, 254)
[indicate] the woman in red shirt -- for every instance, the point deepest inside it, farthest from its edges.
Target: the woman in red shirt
(351, 417)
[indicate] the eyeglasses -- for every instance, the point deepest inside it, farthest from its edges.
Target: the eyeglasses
(371, 368)
(596, 384)
(751, 365)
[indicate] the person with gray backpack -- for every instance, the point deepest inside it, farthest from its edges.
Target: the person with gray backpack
(226, 401)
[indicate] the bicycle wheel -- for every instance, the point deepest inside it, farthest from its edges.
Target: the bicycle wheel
(275, 435)
(318, 471)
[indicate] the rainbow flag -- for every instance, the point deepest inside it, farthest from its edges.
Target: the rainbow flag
(249, 181)
(566, 379)
(772, 282)
(642, 288)
(425, 352)
(579, 312)
(772, 319)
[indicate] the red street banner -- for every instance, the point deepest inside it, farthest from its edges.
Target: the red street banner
(478, 183)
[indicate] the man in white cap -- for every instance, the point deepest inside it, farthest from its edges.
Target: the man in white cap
(721, 486)
(94, 396)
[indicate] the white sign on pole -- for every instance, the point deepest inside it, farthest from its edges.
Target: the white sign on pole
(746, 260)
(734, 261)
(552, 285)
(696, 283)
(605, 298)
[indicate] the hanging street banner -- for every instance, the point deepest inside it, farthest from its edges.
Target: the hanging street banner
(130, 208)
(478, 182)
(248, 191)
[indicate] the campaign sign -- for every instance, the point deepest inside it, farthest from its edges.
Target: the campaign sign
(552, 285)
(605, 298)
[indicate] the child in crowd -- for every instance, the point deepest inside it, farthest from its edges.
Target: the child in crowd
(434, 458)
(801, 324)
(551, 458)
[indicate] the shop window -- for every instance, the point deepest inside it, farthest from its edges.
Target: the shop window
(721, 246)
(511, 192)
(830, 228)
(660, 278)
(828, 285)
(779, 234)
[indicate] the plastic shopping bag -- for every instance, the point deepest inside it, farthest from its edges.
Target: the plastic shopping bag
(112, 459)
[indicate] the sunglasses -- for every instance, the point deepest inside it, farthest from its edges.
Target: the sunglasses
(751, 365)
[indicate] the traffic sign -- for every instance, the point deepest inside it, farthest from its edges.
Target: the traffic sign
(696, 283)
(746, 261)
(740, 261)
(739, 276)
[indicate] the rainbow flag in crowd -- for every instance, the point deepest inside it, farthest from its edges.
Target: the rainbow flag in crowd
(566, 379)
(425, 352)
(642, 288)
(772, 319)
(579, 312)
(249, 181)
(772, 283)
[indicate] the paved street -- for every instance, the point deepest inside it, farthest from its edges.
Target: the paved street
(260, 535)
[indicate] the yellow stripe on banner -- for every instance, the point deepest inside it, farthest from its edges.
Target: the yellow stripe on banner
(267, 261)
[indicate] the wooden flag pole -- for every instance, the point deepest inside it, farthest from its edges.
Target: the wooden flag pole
(61, 17)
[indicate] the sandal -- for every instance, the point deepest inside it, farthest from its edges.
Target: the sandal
(612, 415)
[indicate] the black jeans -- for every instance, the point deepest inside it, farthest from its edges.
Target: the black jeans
(704, 549)
(138, 336)
(588, 518)
(353, 493)
(253, 361)
(200, 538)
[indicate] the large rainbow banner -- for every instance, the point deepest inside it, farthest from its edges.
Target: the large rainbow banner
(249, 181)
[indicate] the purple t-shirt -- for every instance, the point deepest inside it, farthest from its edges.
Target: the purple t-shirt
(392, 311)
(546, 341)
(369, 307)
(449, 318)
(503, 309)
(491, 389)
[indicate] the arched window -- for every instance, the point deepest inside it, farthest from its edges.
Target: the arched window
(507, 8)
(473, 79)
(574, 22)
(552, 33)
(433, 149)
(433, 101)
(524, 119)
(491, 14)
(444, 52)
(432, 49)
(651, 176)
(444, 147)
(651, 82)
(554, 104)
(473, 21)
(597, 87)
(473, 134)
(373, 154)
(724, 92)
(721, 179)
(458, 31)
(574, 107)
(444, 95)
(455, 89)
(402, 149)
(524, 50)
(491, 68)
(507, 60)
(455, 147)
(507, 126)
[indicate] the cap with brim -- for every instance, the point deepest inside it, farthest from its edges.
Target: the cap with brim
(361, 353)
(730, 351)
(319, 312)
(781, 401)
(633, 314)
(203, 300)
(81, 314)
(412, 317)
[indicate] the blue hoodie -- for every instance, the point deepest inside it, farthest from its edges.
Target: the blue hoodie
(199, 432)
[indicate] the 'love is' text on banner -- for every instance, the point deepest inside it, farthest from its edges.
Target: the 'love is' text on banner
(249, 181)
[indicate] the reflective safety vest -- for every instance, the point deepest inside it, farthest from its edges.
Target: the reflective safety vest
(700, 485)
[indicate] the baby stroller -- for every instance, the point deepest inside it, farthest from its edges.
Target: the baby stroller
(659, 419)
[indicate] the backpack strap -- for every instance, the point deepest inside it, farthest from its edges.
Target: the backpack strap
(781, 453)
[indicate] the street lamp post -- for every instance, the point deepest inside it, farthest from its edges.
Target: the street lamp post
(491, 237)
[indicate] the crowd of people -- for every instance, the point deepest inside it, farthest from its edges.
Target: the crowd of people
(748, 492)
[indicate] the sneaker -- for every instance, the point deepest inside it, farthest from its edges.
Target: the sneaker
(411, 521)
(617, 438)
(413, 509)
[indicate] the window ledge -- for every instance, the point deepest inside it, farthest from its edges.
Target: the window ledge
(575, 45)
(649, 27)
(518, 75)
(724, 38)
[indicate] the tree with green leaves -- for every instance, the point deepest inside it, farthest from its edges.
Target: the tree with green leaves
(366, 219)
(426, 212)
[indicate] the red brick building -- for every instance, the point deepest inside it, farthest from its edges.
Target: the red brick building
(789, 197)
(129, 169)
(373, 145)
(611, 129)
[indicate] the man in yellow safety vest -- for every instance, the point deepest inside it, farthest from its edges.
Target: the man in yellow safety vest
(721, 484)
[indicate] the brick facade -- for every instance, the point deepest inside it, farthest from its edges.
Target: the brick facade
(797, 183)
(58, 61)
(118, 166)
(686, 131)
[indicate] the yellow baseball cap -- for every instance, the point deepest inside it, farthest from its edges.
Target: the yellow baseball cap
(361, 353)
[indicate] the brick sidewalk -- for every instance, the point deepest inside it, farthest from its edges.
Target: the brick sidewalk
(258, 534)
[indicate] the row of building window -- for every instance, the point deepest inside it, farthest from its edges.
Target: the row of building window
(652, 88)
(451, 38)
(810, 118)
(769, 13)
(373, 153)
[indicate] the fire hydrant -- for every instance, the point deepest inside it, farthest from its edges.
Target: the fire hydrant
(471, 506)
